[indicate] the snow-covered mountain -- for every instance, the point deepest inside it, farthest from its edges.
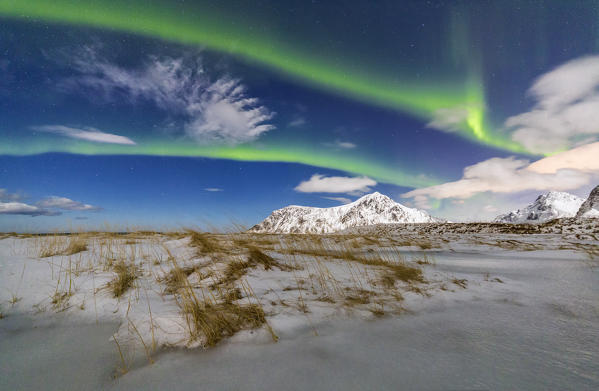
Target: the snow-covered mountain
(371, 209)
(590, 207)
(553, 205)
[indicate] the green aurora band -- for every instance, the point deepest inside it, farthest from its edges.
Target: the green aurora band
(208, 28)
(361, 165)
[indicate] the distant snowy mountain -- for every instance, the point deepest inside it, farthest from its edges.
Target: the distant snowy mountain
(371, 209)
(590, 207)
(553, 205)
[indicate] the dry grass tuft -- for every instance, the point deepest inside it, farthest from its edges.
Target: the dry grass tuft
(326, 299)
(424, 260)
(231, 295)
(76, 245)
(401, 272)
(378, 311)
(425, 245)
(60, 300)
(463, 283)
(217, 317)
(14, 299)
(126, 274)
(256, 256)
(51, 246)
(205, 243)
(176, 278)
(236, 269)
(359, 297)
(216, 321)
(57, 245)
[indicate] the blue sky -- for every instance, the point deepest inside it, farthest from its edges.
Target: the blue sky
(442, 106)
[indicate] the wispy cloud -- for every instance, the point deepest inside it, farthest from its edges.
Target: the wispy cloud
(338, 144)
(566, 112)
(212, 110)
(336, 184)
(490, 208)
(213, 189)
(5, 196)
(19, 208)
(449, 119)
(65, 204)
(297, 122)
(88, 134)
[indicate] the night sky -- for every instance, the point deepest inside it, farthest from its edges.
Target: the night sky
(168, 114)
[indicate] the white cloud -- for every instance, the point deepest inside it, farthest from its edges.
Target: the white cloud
(341, 144)
(65, 204)
(345, 144)
(507, 183)
(342, 200)
(336, 184)
(422, 202)
(563, 171)
(49, 206)
(5, 196)
(9, 204)
(584, 158)
(449, 119)
(212, 111)
(566, 112)
(297, 122)
(213, 189)
(490, 208)
(484, 206)
(88, 134)
(19, 208)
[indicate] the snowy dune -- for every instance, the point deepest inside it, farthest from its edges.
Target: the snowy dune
(302, 293)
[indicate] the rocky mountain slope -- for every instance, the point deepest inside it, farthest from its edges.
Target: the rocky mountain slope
(371, 209)
(553, 205)
(590, 207)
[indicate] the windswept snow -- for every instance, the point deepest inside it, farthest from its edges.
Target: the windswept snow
(529, 307)
(371, 209)
(591, 214)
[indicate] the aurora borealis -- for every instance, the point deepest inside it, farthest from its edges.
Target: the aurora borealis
(421, 99)
(407, 93)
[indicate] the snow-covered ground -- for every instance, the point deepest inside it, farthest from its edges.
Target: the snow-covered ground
(500, 311)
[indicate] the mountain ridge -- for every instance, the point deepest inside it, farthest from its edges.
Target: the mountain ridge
(546, 207)
(374, 208)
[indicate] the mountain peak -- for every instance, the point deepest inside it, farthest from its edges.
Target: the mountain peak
(590, 207)
(557, 195)
(374, 194)
(549, 206)
(370, 209)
